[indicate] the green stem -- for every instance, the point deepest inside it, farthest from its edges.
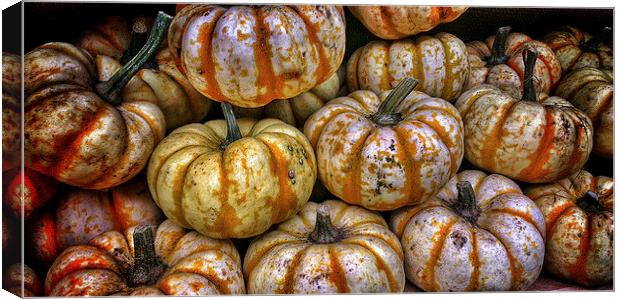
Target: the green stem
(146, 268)
(138, 38)
(386, 114)
(498, 54)
(592, 44)
(466, 203)
(233, 133)
(529, 90)
(110, 90)
(589, 203)
(324, 231)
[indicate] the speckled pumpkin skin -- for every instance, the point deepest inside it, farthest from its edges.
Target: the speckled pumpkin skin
(197, 266)
(579, 243)
(438, 62)
(509, 76)
(565, 43)
(237, 192)
(16, 274)
(83, 214)
(249, 56)
(368, 259)
(394, 21)
(74, 135)
(592, 91)
(386, 167)
(503, 250)
(524, 140)
(11, 110)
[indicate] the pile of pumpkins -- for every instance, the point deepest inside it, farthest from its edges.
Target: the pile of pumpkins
(151, 200)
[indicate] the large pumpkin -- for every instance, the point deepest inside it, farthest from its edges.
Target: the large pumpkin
(232, 180)
(75, 135)
(580, 227)
(438, 62)
(498, 61)
(386, 151)
(480, 233)
(21, 281)
(592, 90)
(576, 49)
(81, 215)
(169, 261)
(523, 139)
(327, 248)
(395, 21)
(11, 110)
(30, 191)
(249, 56)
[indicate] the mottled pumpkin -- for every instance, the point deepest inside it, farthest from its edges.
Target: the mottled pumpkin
(229, 179)
(81, 215)
(20, 280)
(438, 62)
(592, 91)
(327, 248)
(480, 233)
(251, 55)
(147, 261)
(386, 151)
(395, 21)
(576, 49)
(37, 190)
(524, 139)
(11, 110)
(580, 227)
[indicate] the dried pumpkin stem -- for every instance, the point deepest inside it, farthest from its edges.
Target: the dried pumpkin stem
(147, 268)
(466, 202)
(386, 114)
(233, 133)
(498, 51)
(324, 231)
(110, 90)
(592, 44)
(137, 40)
(529, 91)
(589, 203)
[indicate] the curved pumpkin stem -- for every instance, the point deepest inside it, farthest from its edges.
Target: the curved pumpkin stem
(233, 133)
(147, 268)
(498, 51)
(589, 203)
(386, 114)
(529, 91)
(324, 231)
(110, 90)
(592, 44)
(466, 203)
(137, 40)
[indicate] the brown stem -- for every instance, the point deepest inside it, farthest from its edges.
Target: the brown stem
(146, 268)
(589, 203)
(466, 202)
(324, 231)
(498, 54)
(386, 114)
(138, 38)
(233, 133)
(592, 44)
(529, 91)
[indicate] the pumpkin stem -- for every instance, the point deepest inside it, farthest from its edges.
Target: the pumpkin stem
(110, 90)
(233, 133)
(146, 268)
(589, 203)
(466, 202)
(498, 51)
(591, 45)
(324, 231)
(386, 115)
(529, 91)
(139, 35)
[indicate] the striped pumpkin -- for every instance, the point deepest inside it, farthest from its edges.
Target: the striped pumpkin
(576, 49)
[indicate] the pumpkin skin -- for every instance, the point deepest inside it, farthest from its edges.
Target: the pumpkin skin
(579, 240)
(99, 146)
(11, 110)
(502, 248)
(249, 56)
(38, 190)
(365, 257)
(195, 266)
(438, 62)
(569, 45)
(13, 278)
(395, 21)
(384, 167)
(234, 192)
(592, 91)
(110, 37)
(81, 215)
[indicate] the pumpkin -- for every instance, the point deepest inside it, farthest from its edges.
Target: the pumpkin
(249, 56)
(21, 281)
(524, 139)
(395, 21)
(169, 261)
(11, 110)
(498, 61)
(110, 36)
(81, 215)
(386, 151)
(330, 247)
(103, 141)
(580, 226)
(438, 62)
(7, 232)
(480, 233)
(576, 49)
(592, 91)
(296, 110)
(37, 190)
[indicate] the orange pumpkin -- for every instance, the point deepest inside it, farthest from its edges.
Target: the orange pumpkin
(21, 281)
(580, 226)
(37, 190)
(11, 110)
(386, 151)
(110, 37)
(576, 49)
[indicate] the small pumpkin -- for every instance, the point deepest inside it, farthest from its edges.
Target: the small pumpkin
(576, 49)
(110, 36)
(386, 151)
(37, 190)
(480, 233)
(251, 55)
(396, 21)
(592, 91)
(11, 110)
(524, 139)
(232, 179)
(327, 248)
(498, 61)
(20, 280)
(580, 226)
(81, 215)
(169, 261)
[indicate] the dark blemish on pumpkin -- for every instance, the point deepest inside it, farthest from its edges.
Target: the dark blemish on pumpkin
(301, 161)
(290, 148)
(291, 174)
(458, 238)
